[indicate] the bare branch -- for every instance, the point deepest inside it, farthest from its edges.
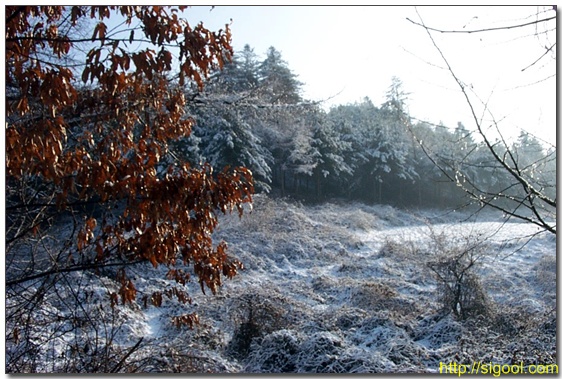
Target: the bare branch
(506, 27)
(539, 58)
(526, 185)
(56, 270)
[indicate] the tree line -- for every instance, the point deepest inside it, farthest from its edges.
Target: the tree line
(252, 114)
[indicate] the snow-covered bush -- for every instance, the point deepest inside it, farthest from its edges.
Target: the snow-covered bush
(308, 301)
(460, 290)
(347, 318)
(437, 331)
(275, 354)
(255, 314)
(372, 295)
(454, 263)
(287, 351)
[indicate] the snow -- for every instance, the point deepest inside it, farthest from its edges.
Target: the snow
(344, 287)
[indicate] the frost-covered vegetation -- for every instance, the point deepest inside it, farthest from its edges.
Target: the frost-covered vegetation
(123, 169)
(334, 287)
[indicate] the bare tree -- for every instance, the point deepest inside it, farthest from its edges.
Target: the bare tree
(519, 190)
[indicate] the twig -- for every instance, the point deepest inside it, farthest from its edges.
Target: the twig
(507, 27)
(56, 270)
(122, 361)
(539, 58)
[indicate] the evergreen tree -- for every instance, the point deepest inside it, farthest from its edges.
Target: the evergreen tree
(332, 170)
(225, 120)
(358, 126)
(227, 140)
(429, 185)
(238, 76)
(395, 133)
(279, 84)
(379, 146)
(248, 66)
(281, 124)
(528, 155)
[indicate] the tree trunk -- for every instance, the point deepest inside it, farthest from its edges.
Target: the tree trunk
(318, 192)
(282, 182)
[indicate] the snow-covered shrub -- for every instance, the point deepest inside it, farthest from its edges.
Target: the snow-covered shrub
(511, 320)
(274, 216)
(531, 339)
(341, 221)
(255, 315)
(379, 333)
(372, 295)
(390, 248)
(453, 263)
(288, 351)
(401, 249)
(362, 220)
(176, 355)
(461, 292)
(293, 250)
(276, 353)
(356, 267)
(320, 353)
(438, 330)
(392, 339)
(262, 215)
(356, 360)
(347, 318)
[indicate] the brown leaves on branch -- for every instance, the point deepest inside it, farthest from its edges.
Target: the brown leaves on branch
(104, 138)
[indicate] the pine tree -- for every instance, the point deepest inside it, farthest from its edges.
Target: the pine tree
(332, 170)
(279, 84)
(227, 140)
(238, 76)
(225, 120)
(248, 67)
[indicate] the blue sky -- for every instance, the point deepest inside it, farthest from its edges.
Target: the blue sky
(344, 53)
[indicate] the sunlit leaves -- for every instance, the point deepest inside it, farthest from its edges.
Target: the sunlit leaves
(99, 31)
(127, 292)
(189, 320)
(86, 235)
(106, 143)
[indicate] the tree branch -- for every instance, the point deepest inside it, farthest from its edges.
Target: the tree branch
(56, 270)
(508, 168)
(539, 58)
(507, 27)
(131, 351)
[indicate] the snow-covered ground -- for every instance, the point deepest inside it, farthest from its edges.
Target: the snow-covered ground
(343, 287)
